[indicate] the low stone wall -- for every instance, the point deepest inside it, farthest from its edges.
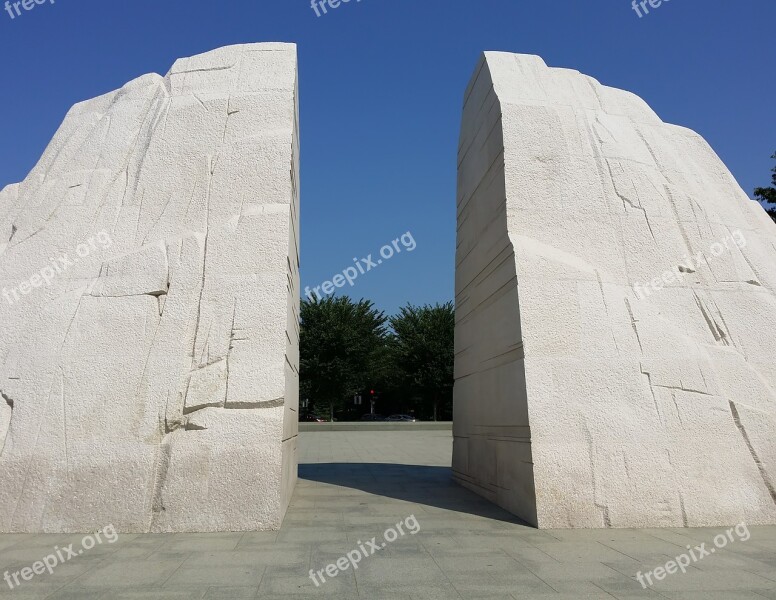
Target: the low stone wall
(377, 426)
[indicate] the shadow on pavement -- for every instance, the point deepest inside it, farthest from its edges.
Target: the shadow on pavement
(421, 484)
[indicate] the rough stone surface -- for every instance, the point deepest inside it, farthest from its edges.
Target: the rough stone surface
(607, 375)
(152, 383)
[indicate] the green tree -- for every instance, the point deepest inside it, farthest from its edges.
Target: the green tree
(768, 195)
(340, 343)
(422, 351)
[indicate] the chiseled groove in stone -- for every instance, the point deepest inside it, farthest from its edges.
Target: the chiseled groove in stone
(255, 405)
(5, 422)
(760, 466)
(160, 477)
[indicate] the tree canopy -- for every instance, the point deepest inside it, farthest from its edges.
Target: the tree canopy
(768, 195)
(340, 342)
(422, 350)
(347, 349)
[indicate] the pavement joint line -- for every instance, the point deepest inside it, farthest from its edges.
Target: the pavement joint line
(441, 570)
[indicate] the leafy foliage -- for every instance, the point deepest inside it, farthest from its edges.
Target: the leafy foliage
(347, 350)
(340, 341)
(422, 350)
(768, 195)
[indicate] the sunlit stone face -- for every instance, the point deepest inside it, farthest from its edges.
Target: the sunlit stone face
(615, 311)
(150, 290)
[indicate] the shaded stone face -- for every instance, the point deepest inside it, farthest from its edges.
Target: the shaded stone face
(149, 278)
(615, 311)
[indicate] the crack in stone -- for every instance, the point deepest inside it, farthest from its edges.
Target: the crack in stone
(157, 502)
(654, 398)
(760, 466)
(605, 517)
(5, 426)
(255, 405)
(685, 520)
(8, 400)
(224, 68)
(203, 366)
(716, 330)
(633, 324)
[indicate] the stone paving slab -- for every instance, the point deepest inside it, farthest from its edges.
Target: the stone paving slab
(355, 485)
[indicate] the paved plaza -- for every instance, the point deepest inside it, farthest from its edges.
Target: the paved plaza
(353, 486)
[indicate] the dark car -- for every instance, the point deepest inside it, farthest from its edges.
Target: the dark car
(373, 418)
(310, 418)
(402, 418)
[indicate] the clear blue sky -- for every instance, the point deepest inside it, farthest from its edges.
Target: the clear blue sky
(381, 92)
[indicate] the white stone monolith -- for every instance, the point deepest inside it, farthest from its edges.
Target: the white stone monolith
(616, 315)
(149, 278)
